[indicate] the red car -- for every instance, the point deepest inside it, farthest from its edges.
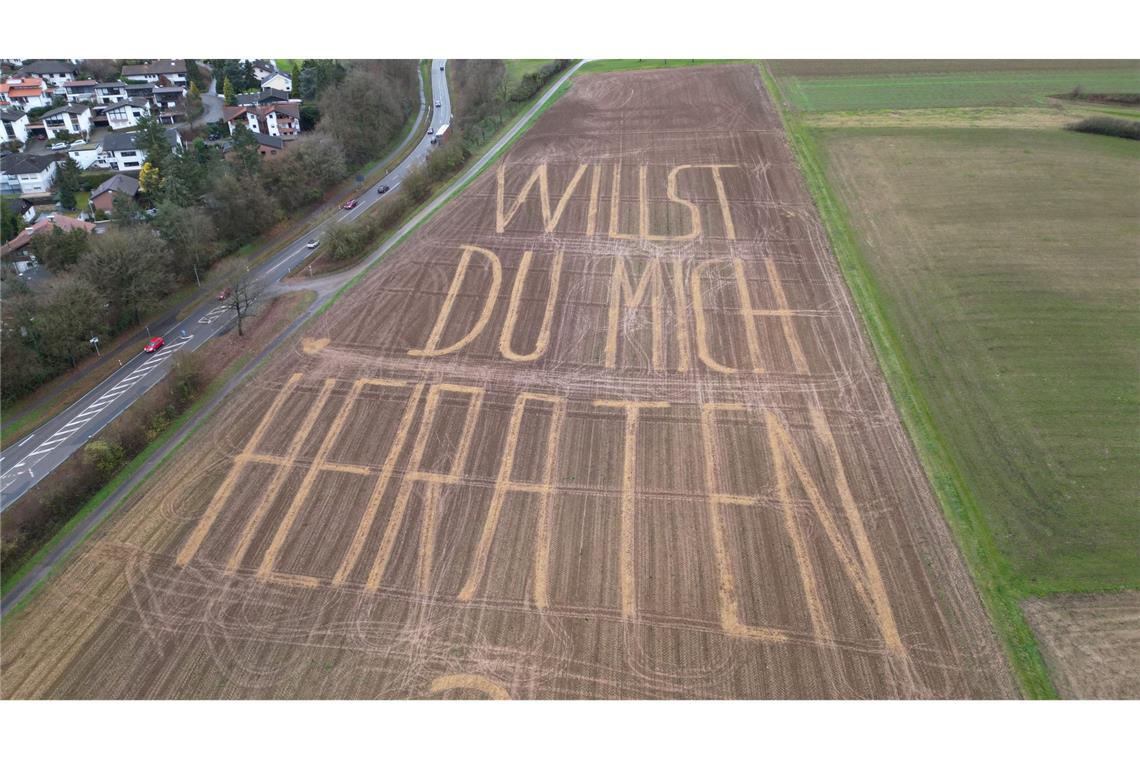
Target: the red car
(350, 205)
(225, 294)
(154, 344)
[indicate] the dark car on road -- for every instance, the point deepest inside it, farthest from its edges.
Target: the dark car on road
(382, 189)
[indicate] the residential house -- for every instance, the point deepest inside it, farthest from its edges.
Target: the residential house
(263, 97)
(15, 124)
(268, 145)
(103, 197)
(75, 120)
(25, 92)
(169, 104)
(80, 90)
(55, 73)
(263, 69)
(166, 72)
(278, 81)
(28, 173)
(277, 119)
(86, 155)
(21, 208)
(125, 114)
(44, 227)
(121, 153)
(117, 92)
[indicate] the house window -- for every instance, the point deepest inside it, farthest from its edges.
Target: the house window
(129, 164)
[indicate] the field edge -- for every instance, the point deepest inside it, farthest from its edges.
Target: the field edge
(993, 579)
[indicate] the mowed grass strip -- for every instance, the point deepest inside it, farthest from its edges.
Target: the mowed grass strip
(1007, 262)
(1021, 87)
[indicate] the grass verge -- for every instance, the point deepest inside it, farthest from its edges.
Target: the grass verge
(997, 585)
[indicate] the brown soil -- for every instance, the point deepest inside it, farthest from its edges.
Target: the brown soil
(1091, 642)
(643, 467)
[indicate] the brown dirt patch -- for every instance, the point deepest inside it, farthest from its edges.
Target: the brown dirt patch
(1091, 642)
(645, 452)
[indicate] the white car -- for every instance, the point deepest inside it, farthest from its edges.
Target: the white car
(431, 130)
(313, 243)
(58, 146)
(77, 143)
(438, 104)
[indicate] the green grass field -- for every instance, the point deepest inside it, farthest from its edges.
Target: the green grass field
(517, 68)
(996, 270)
(1009, 268)
(883, 87)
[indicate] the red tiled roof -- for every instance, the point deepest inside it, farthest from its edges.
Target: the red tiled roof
(65, 223)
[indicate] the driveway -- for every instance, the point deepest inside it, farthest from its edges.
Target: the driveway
(212, 104)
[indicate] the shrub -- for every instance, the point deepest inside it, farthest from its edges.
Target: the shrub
(1107, 125)
(105, 456)
(417, 184)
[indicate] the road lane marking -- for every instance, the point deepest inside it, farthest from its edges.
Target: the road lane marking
(88, 413)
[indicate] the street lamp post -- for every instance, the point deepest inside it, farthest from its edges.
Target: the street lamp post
(95, 342)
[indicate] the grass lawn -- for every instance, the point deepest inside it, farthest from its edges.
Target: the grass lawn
(932, 89)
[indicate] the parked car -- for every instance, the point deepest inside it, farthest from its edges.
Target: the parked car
(382, 189)
(58, 146)
(313, 243)
(154, 344)
(349, 205)
(438, 104)
(431, 130)
(441, 68)
(77, 143)
(225, 294)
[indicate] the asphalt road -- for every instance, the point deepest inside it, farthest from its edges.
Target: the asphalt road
(326, 288)
(25, 463)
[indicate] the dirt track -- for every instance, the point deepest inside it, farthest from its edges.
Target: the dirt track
(608, 445)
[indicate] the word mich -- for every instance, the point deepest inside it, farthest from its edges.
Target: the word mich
(552, 214)
(419, 427)
(686, 299)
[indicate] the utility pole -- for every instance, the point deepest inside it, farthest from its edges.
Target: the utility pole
(95, 342)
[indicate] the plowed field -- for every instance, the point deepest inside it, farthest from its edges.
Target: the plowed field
(605, 427)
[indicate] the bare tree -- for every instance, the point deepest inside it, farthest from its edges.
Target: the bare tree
(242, 291)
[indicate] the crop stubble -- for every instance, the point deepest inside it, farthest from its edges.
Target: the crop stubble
(611, 445)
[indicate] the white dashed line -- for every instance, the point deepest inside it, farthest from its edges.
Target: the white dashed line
(79, 421)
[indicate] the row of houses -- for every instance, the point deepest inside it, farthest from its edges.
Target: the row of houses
(33, 174)
(161, 103)
(157, 88)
